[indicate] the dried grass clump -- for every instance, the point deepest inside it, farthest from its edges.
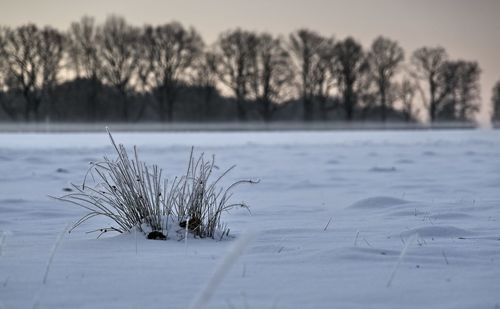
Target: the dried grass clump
(200, 202)
(135, 195)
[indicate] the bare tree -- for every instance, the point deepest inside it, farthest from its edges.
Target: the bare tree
(206, 77)
(32, 60)
(448, 80)
(467, 92)
(7, 105)
(429, 66)
(271, 72)
(406, 92)
(349, 67)
(22, 65)
(235, 50)
(304, 45)
(173, 50)
(495, 101)
(51, 50)
(459, 84)
(384, 58)
(323, 78)
(117, 49)
(82, 52)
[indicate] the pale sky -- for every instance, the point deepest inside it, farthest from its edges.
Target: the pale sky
(468, 29)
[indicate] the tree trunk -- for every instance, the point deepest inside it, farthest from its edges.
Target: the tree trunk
(323, 108)
(241, 109)
(160, 94)
(383, 103)
(170, 109)
(92, 99)
(308, 108)
(349, 103)
(432, 103)
(7, 108)
(208, 102)
(125, 103)
(267, 112)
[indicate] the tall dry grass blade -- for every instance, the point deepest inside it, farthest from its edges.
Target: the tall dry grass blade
(400, 259)
(231, 257)
(53, 252)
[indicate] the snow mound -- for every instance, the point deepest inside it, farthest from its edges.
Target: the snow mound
(437, 231)
(405, 161)
(451, 216)
(411, 212)
(378, 202)
(429, 153)
(379, 169)
(332, 162)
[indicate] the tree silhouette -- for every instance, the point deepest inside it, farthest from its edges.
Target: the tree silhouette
(51, 50)
(406, 92)
(172, 51)
(384, 58)
(84, 60)
(323, 78)
(495, 101)
(467, 92)
(205, 77)
(5, 102)
(461, 79)
(117, 44)
(23, 65)
(453, 85)
(350, 64)
(235, 50)
(32, 59)
(270, 74)
(428, 63)
(304, 45)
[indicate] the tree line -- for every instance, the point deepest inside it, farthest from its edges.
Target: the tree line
(117, 71)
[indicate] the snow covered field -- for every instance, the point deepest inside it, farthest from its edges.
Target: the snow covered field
(331, 216)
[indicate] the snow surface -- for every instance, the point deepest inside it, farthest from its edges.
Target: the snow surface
(330, 218)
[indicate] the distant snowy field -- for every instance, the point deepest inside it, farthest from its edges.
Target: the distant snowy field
(331, 216)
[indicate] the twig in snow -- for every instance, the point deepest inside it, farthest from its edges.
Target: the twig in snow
(400, 259)
(102, 231)
(6, 281)
(244, 272)
(445, 258)
(2, 242)
(366, 241)
(221, 271)
(326, 227)
(356, 238)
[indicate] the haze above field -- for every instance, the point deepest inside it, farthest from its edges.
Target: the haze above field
(467, 29)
